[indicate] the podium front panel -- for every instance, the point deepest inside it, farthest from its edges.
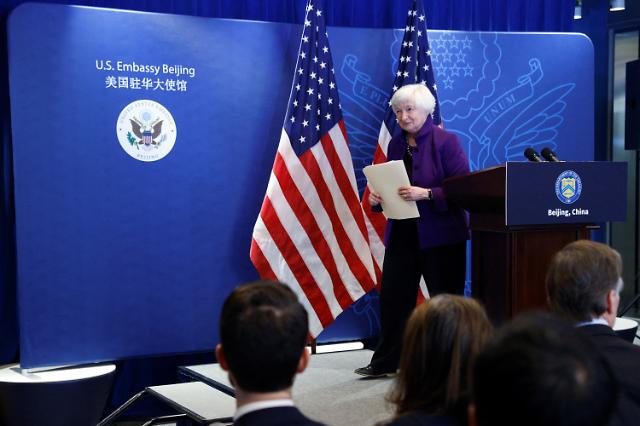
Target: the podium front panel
(565, 192)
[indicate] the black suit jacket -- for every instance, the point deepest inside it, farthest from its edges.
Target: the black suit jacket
(276, 416)
(624, 358)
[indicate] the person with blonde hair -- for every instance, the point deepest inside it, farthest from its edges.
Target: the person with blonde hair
(441, 341)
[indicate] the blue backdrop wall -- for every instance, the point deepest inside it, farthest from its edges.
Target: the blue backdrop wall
(118, 257)
(494, 15)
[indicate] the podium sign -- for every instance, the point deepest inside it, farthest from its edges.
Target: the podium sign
(565, 192)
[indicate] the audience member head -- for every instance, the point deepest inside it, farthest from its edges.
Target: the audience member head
(263, 332)
(583, 281)
(540, 371)
(441, 340)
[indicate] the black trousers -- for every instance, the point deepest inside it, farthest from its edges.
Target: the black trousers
(443, 269)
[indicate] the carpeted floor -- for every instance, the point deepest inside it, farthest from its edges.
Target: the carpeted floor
(328, 391)
(331, 392)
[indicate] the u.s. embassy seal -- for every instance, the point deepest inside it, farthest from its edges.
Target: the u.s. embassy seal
(568, 187)
(146, 130)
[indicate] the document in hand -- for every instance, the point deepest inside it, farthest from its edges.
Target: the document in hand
(385, 179)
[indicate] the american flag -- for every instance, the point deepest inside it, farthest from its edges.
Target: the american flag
(311, 231)
(414, 66)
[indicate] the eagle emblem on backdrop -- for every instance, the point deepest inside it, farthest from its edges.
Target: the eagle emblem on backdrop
(494, 117)
(146, 130)
(147, 134)
(494, 114)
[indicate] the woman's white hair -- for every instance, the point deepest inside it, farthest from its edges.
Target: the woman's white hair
(418, 94)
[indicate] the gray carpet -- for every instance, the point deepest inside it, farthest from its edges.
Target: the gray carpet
(328, 391)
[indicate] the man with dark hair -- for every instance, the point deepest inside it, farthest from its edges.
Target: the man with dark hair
(263, 332)
(539, 371)
(584, 284)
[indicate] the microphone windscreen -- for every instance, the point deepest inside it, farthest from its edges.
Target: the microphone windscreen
(532, 155)
(549, 155)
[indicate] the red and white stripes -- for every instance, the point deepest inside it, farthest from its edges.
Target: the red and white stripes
(311, 232)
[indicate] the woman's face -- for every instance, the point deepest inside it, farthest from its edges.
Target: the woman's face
(410, 118)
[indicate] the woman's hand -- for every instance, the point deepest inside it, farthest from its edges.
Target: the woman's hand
(413, 193)
(374, 198)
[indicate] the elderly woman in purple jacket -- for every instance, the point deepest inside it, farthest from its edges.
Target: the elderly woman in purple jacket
(433, 245)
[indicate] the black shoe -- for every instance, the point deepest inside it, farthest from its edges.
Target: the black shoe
(369, 372)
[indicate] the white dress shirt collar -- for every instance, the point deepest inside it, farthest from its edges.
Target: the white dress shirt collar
(601, 321)
(261, 405)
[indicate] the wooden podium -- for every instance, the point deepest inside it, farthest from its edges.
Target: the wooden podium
(521, 214)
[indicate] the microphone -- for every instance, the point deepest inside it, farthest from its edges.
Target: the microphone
(549, 155)
(532, 155)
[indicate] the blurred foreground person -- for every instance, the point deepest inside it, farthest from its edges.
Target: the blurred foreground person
(540, 371)
(263, 332)
(441, 341)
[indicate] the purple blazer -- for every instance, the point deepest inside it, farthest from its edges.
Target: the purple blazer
(437, 156)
